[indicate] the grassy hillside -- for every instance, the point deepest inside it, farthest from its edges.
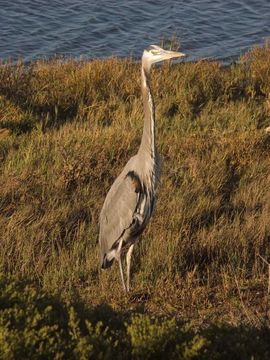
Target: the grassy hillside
(66, 130)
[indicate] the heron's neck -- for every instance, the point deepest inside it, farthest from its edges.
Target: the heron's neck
(148, 138)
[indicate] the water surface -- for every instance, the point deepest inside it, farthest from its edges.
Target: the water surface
(218, 29)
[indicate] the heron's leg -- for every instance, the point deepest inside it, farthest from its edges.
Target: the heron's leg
(119, 258)
(121, 273)
(129, 253)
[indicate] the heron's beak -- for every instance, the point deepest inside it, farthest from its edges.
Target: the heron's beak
(173, 55)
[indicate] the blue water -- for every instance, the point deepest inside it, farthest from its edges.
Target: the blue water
(219, 29)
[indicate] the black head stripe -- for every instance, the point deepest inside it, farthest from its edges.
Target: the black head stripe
(152, 47)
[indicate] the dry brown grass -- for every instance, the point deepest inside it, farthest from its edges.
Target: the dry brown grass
(69, 127)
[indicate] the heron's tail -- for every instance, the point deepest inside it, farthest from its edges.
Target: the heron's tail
(105, 263)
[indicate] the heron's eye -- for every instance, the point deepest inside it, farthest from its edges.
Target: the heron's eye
(154, 52)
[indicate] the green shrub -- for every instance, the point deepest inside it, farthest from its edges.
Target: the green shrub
(34, 325)
(153, 339)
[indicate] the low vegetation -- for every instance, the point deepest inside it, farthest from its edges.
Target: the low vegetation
(35, 325)
(199, 283)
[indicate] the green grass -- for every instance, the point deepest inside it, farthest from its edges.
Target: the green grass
(67, 129)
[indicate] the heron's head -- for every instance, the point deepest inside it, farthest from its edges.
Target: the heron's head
(154, 54)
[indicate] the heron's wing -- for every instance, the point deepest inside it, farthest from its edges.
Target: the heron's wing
(118, 210)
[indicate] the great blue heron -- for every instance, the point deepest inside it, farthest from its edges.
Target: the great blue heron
(130, 201)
